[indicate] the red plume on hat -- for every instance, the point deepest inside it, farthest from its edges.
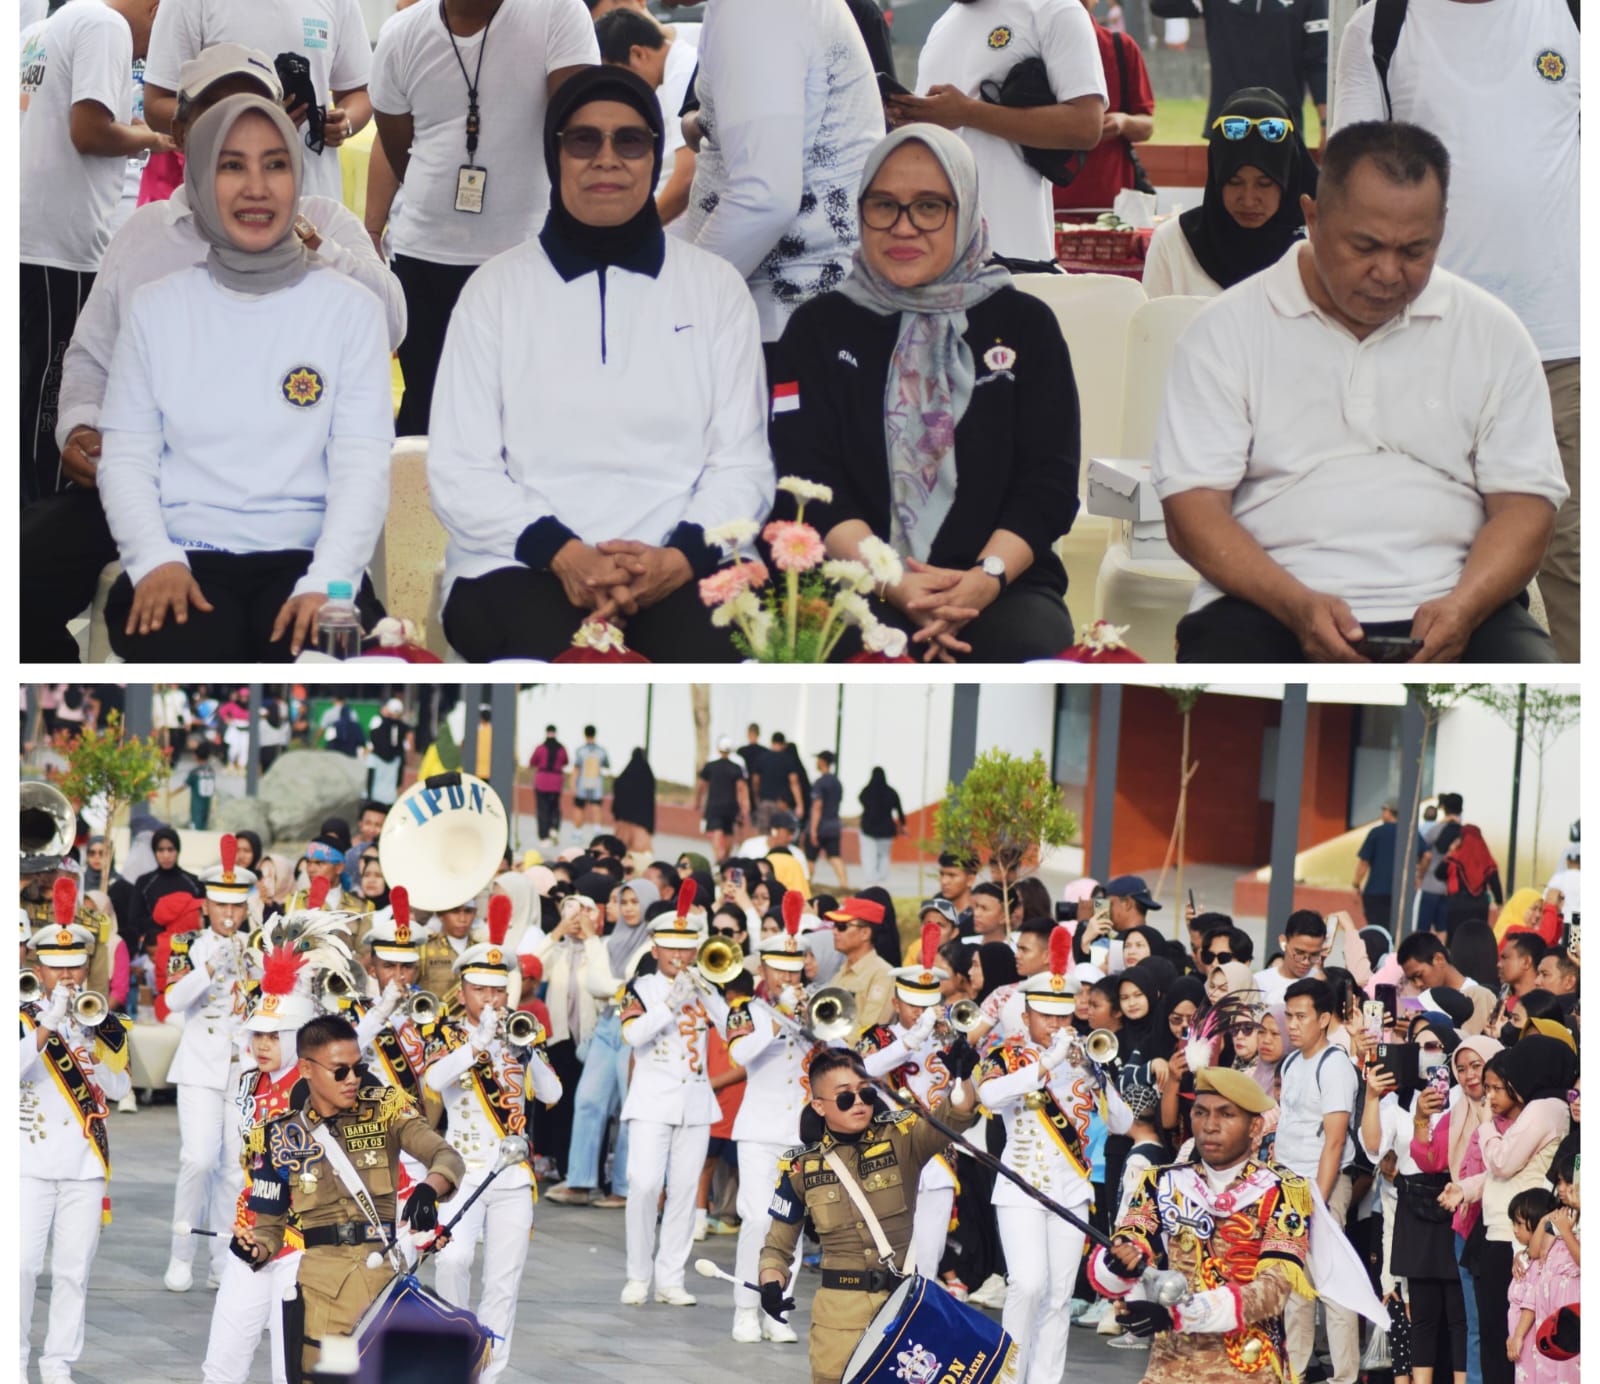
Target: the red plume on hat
(794, 908)
(317, 895)
(280, 970)
(400, 907)
(1060, 950)
(499, 919)
(930, 945)
(686, 897)
(65, 901)
(229, 846)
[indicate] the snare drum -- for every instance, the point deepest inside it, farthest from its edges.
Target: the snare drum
(922, 1335)
(407, 1310)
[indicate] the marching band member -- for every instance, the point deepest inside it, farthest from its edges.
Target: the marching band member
(485, 1069)
(205, 984)
(382, 1028)
(247, 1302)
(665, 1019)
(1035, 1085)
(324, 865)
(450, 938)
(910, 1055)
(68, 1070)
(1238, 1230)
(764, 1039)
(331, 1164)
(858, 1185)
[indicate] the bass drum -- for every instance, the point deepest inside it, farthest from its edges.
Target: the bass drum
(922, 1335)
(444, 840)
(412, 1333)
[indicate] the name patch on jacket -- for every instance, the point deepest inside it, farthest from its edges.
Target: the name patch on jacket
(267, 1194)
(784, 1207)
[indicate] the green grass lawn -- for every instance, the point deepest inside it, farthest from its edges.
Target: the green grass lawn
(1179, 121)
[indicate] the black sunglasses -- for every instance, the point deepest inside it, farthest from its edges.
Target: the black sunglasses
(1215, 957)
(631, 142)
(338, 1073)
(845, 1099)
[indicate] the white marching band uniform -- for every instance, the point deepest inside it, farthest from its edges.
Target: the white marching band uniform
(671, 1109)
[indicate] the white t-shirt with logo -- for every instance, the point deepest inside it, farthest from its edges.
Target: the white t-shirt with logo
(329, 34)
(415, 71)
(83, 52)
(981, 42)
(1499, 84)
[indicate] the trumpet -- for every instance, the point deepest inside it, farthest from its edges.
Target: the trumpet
(519, 1027)
(422, 1007)
(964, 1016)
(89, 1008)
(30, 988)
(1098, 1048)
(830, 1014)
(718, 961)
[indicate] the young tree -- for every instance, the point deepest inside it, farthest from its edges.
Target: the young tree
(118, 770)
(1546, 714)
(1003, 814)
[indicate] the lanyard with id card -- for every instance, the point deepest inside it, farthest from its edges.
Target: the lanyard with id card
(472, 182)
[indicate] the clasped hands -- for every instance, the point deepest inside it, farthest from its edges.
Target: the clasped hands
(171, 589)
(941, 602)
(619, 577)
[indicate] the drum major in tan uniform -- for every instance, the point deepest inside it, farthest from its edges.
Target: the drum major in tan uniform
(885, 1152)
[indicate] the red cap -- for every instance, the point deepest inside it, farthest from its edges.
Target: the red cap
(531, 968)
(857, 910)
(177, 912)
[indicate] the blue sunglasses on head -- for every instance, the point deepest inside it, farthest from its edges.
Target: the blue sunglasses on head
(1274, 129)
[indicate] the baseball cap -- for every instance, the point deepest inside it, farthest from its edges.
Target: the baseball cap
(723, 744)
(211, 65)
(783, 821)
(394, 706)
(944, 908)
(1131, 887)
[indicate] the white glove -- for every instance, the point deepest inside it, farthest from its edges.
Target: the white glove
(389, 1001)
(922, 1030)
(1058, 1051)
(788, 999)
(483, 1033)
(203, 952)
(53, 1017)
(682, 990)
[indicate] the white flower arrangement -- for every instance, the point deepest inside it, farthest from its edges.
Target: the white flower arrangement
(849, 574)
(804, 490)
(741, 609)
(735, 534)
(884, 639)
(881, 561)
(1102, 637)
(601, 636)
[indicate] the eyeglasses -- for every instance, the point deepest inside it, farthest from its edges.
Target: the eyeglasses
(842, 927)
(883, 213)
(1243, 1030)
(631, 142)
(1216, 958)
(1272, 128)
(723, 932)
(845, 1099)
(338, 1073)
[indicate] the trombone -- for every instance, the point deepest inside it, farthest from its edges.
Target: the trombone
(717, 962)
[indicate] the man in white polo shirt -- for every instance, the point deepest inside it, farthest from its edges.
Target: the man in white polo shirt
(330, 36)
(977, 43)
(1499, 85)
(77, 78)
(453, 85)
(1356, 448)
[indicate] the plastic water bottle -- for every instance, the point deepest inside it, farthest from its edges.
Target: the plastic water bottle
(339, 624)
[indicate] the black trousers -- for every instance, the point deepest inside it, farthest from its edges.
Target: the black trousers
(516, 612)
(549, 810)
(1233, 631)
(246, 591)
(431, 291)
(48, 305)
(65, 544)
(1378, 909)
(552, 1125)
(1437, 1305)
(1491, 1278)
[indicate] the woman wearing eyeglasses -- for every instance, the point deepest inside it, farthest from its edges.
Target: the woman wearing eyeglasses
(936, 401)
(1257, 169)
(599, 408)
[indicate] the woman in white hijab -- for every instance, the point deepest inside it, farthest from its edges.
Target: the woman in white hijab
(247, 420)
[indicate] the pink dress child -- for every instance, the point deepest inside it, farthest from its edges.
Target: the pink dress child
(1555, 1285)
(1523, 1292)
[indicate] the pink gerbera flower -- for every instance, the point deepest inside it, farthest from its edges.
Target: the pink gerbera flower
(796, 547)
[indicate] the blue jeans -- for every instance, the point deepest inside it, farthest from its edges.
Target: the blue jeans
(601, 1089)
(1474, 1360)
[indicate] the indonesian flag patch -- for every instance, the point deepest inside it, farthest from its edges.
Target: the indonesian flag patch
(786, 397)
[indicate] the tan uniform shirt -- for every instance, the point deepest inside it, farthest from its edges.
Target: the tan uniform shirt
(871, 980)
(436, 972)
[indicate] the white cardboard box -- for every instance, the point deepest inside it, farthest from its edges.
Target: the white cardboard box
(1121, 489)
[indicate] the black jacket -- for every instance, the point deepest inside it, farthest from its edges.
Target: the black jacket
(1016, 446)
(1281, 44)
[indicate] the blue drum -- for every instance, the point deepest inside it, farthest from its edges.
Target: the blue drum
(408, 1323)
(922, 1335)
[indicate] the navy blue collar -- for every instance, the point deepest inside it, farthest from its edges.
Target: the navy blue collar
(572, 260)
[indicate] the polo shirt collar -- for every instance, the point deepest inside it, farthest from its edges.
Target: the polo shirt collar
(572, 261)
(177, 205)
(1286, 291)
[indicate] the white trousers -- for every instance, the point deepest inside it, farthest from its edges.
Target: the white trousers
(209, 1175)
(501, 1218)
(1042, 1257)
(247, 1301)
(65, 1216)
(670, 1156)
(758, 1178)
(930, 1221)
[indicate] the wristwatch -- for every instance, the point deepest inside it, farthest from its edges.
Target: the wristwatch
(994, 566)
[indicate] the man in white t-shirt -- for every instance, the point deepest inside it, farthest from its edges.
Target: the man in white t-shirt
(1499, 85)
(77, 81)
(978, 42)
(1356, 448)
(1569, 881)
(1304, 940)
(330, 36)
(666, 61)
(1317, 1093)
(473, 184)
(789, 111)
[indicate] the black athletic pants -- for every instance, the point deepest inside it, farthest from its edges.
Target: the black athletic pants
(1491, 1277)
(431, 291)
(48, 305)
(516, 612)
(1233, 631)
(65, 545)
(246, 591)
